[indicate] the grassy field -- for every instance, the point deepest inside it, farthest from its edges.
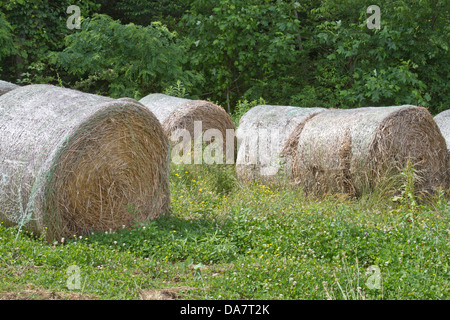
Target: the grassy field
(228, 241)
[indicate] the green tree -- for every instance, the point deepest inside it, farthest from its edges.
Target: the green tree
(405, 62)
(7, 47)
(110, 58)
(244, 48)
(38, 27)
(144, 12)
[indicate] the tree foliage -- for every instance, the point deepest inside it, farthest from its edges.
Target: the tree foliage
(144, 12)
(402, 63)
(6, 39)
(38, 27)
(123, 60)
(306, 53)
(243, 47)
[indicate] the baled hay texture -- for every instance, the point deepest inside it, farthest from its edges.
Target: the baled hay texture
(348, 151)
(6, 87)
(262, 134)
(72, 163)
(179, 113)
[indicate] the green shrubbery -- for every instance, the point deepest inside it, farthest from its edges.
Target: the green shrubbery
(123, 60)
(305, 53)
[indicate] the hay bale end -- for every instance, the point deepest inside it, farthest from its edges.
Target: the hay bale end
(178, 113)
(72, 162)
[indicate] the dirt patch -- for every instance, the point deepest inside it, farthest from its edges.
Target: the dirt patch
(30, 292)
(163, 294)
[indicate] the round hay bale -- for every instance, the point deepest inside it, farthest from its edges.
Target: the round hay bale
(443, 122)
(72, 163)
(349, 151)
(262, 134)
(6, 87)
(179, 113)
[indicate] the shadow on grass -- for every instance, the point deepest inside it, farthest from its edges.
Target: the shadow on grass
(175, 239)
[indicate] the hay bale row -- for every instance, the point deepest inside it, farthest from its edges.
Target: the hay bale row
(343, 151)
(6, 87)
(261, 136)
(72, 163)
(178, 113)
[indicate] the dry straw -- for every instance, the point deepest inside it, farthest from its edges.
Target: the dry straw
(179, 113)
(72, 163)
(355, 150)
(6, 87)
(262, 134)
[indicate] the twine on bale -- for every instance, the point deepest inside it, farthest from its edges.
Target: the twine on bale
(6, 87)
(180, 114)
(262, 134)
(353, 150)
(72, 163)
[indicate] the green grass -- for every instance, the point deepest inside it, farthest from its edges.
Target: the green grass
(227, 241)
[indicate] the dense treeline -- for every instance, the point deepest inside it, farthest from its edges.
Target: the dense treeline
(306, 53)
